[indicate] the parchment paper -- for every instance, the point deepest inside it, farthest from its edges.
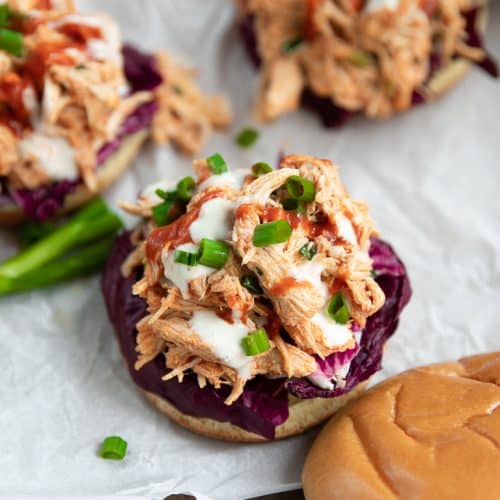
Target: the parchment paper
(432, 179)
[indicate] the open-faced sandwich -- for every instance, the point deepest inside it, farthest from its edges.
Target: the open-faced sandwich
(251, 304)
(374, 57)
(75, 106)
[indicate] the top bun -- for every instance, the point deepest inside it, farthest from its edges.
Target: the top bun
(429, 433)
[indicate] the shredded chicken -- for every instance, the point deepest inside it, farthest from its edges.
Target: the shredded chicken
(295, 289)
(363, 59)
(70, 84)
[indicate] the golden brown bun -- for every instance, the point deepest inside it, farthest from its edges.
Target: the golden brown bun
(304, 414)
(107, 174)
(451, 74)
(429, 433)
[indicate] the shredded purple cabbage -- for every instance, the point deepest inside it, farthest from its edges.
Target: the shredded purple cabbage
(42, 203)
(393, 279)
(264, 402)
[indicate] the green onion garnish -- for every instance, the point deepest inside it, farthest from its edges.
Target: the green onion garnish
(261, 168)
(166, 195)
(11, 42)
(290, 204)
(161, 213)
(5, 14)
(338, 310)
(247, 137)
(251, 283)
(291, 45)
(360, 58)
(185, 188)
(214, 253)
(186, 258)
(80, 66)
(308, 251)
(217, 164)
(301, 189)
(272, 233)
(114, 448)
(256, 342)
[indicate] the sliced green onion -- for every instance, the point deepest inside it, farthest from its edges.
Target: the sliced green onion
(166, 195)
(290, 204)
(338, 310)
(185, 188)
(214, 253)
(361, 59)
(5, 14)
(291, 45)
(161, 213)
(301, 189)
(261, 168)
(11, 42)
(30, 232)
(247, 137)
(80, 66)
(256, 342)
(113, 448)
(187, 258)
(308, 251)
(217, 164)
(251, 283)
(272, 233)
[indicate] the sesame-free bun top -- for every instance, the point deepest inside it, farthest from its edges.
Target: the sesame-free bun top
(428, 433)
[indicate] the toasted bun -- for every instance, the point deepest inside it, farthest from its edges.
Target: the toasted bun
(452, 73)
(429, 433)
(107, 174)
(304, 414)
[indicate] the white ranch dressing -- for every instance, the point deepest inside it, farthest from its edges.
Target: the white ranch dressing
(345, 229)
(55, 155)
(215, 221)
(311, 271)
(234, 179)
(334, 334)
(321, 381)
(374, 5)
(180, 274)
(149, 192)
(224, 339)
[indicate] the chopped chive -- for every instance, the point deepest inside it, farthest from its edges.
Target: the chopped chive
(247, 137)
(338, 310)
(161, 213)
(185, 188)
(217, 164)
(214, 253)
(186, 258)
(256, 342)
(5, 14)
(272, 233)
(309, 250)
(290, 45)
(11, 42)
(261, 168)
(361, 59)
(251, 283)
(301, 189)
(113, 448)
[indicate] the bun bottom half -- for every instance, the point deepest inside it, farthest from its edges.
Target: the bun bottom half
(107, 174)
(304, 414)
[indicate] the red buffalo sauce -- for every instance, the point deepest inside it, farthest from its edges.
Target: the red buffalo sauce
(13, 112)
(285, 284)
(79, 33)
(177, 232)
(273, 325)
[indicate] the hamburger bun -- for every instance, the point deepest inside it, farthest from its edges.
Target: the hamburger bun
(304, 414)
(107, 174)
(428, 433)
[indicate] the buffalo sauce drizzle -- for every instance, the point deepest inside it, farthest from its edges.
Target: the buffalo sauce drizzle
(13, 112)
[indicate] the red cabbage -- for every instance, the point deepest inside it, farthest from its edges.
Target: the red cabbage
(264, 402)
(392, 277)
(42, 203)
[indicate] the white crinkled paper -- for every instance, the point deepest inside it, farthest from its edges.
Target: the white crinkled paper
(432, 179)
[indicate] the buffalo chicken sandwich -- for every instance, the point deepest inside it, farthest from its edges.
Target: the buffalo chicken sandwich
(371, 57)
(76, 105)
(250, 304)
